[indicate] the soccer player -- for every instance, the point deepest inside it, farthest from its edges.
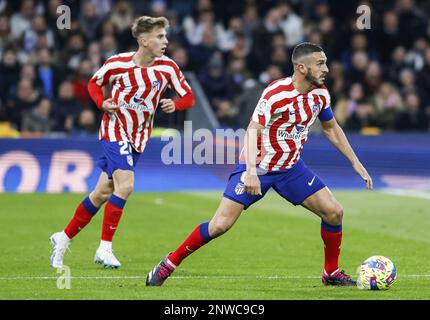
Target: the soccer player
(273, 142)
(137, 80)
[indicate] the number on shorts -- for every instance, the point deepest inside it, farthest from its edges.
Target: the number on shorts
(125, 147)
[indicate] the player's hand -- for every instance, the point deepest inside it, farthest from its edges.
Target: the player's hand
(109, 106)
(167, 105)
(358, 167)
(252, 184)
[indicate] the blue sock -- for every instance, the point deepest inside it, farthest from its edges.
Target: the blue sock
(204, 232)
(89, 206)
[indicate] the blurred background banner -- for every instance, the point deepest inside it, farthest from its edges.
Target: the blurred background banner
(378, 56)
(69, 165)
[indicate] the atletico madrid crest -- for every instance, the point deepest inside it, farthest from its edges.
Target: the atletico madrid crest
(130, 160)
(240, 188)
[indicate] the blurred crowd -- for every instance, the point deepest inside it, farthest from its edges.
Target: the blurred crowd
(379, 77)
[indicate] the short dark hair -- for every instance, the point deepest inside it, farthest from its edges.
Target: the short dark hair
(303, 49)
(147, 24)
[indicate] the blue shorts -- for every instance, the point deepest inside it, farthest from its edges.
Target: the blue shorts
(117, 155)
(294, 184)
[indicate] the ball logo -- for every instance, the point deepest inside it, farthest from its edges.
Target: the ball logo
(377, 264)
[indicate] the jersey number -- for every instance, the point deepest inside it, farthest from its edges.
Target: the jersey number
(125, 147)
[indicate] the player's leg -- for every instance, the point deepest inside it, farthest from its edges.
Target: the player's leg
(225, 216)
(123, 181)
(82, 216)
(325, 205)
(301, 186)
(235, 200)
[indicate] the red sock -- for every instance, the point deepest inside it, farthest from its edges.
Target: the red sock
(332, 237)
(83, 215)
(113, 212)
(197, 238)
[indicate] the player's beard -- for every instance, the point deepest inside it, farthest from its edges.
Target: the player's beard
(313, 80)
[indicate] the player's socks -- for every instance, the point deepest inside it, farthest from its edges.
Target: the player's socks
(83, 215)
(197, 238)
(332, 237)
(113, 212)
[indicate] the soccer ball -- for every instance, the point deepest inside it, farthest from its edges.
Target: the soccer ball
(376, 273)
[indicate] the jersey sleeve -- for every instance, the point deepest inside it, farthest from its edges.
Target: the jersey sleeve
(177, 81)
(264, 109)
(262, 112)
(326, 113)
(103, 76)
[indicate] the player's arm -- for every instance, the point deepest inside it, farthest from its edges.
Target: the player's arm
(182, 103)
(182, 89)
(335, 134)
(96, 93)
(251, 181)
(95, 89)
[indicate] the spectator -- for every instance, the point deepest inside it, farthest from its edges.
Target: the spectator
(215, 81)
(388, 103)
(80, 82)
(423, 77)
(38, 29)
(87, 125)
(180, 56)
(238, 74)
(291, 24)
(48, 74)
(72, 53)
(9, 73)
(344, 108)
(200, 54)
(26, 98)
(251, 20)
(363, 116)
(412, 22)
(360, 62)
(122, 16)
(388, 35)
(398, 63)
(226, 113)
(66, 107)
(37, 122)
(414, 117)
(21, 21)
(252, 90)
(89, 20)
(5, 36)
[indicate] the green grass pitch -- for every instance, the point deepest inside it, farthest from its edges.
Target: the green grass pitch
(273, 252)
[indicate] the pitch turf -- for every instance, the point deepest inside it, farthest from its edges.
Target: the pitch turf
(273, 252)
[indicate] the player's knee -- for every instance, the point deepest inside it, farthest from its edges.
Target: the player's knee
(124, 190)
(102, 195)
(219, 226)
(335, 216)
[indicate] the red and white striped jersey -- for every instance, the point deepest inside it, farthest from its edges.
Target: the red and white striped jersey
(137, 91)
(286, 115)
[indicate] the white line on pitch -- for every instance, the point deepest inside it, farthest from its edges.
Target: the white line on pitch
(193, 277)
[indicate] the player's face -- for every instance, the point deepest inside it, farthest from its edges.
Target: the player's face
(317, 69)
(155, 41)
